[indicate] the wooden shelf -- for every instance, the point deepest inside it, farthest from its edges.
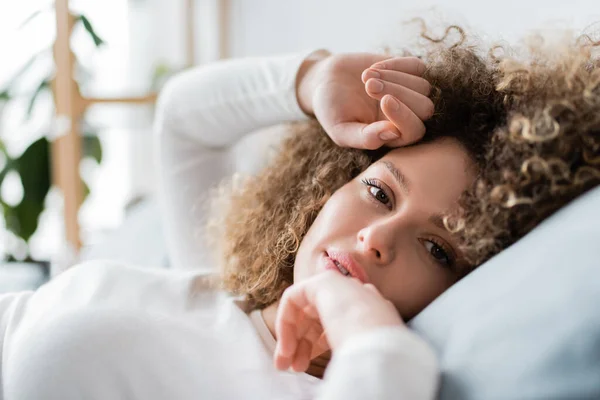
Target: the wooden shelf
(71, 106)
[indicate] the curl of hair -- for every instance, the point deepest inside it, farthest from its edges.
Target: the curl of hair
(545, 155)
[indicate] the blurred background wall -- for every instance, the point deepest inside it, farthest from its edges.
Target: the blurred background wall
(146, 40)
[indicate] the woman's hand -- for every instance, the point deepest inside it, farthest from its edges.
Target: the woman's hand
(323, 312)
(366, 100)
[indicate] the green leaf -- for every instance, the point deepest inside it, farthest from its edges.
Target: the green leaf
(4, 96)
(22, 219)
(86, 190)
(45, 84)
(33, 166)
(92, 147)
(90, 29)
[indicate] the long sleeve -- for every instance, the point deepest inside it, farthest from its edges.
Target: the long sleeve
(201, 114)
(11, 307)
(388, 363)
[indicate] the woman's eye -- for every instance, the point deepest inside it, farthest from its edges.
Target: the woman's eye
(437, 252)
(376, 191)
(379, 194)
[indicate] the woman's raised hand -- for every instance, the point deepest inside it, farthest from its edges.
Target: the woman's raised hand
(367, 100)
(322, 313)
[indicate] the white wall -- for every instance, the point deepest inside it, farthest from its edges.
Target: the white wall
(271, 26)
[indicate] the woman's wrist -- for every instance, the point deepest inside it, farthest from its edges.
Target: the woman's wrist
(307, 79)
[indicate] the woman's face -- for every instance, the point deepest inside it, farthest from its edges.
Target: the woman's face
(388, 223)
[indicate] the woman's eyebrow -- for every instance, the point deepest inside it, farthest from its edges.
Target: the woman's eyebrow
(399, 176)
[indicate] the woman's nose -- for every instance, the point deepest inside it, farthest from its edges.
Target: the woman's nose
(376, 244)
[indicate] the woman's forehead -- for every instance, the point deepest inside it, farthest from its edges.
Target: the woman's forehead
(441, 152)
(438, 171)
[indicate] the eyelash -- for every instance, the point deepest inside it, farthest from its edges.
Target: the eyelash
(374, 183)
(447, 253)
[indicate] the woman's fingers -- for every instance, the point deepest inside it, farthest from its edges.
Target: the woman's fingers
(301, 359)
(398, 126)
(291, 325)
(299, 337)
(286, 328)
(409, 81)
(420, 104)
(342, 306)
(406, 121)
(409, 65)
(402, 92)
(309, 346)
(358, 135)
(406, 126)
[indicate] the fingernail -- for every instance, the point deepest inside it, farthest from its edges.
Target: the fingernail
(375, 85)
(388, 135)
(393, 103)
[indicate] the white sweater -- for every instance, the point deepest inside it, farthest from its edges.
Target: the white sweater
(107, 331)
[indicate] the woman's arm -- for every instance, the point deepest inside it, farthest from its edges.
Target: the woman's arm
(201, 113)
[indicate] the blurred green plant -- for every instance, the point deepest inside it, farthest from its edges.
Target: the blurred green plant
(34, 165)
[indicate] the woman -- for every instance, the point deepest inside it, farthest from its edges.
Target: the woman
(112, 332)
(327, 208)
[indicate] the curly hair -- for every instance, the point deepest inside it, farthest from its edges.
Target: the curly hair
(531, 127)
(546, 154)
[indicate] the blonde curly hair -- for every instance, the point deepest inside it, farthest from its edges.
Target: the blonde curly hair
(545, 154)
(532, 126)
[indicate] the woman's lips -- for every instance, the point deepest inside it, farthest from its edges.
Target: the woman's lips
(347, 262)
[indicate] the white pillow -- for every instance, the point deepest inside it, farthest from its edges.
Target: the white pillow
(526, 324)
